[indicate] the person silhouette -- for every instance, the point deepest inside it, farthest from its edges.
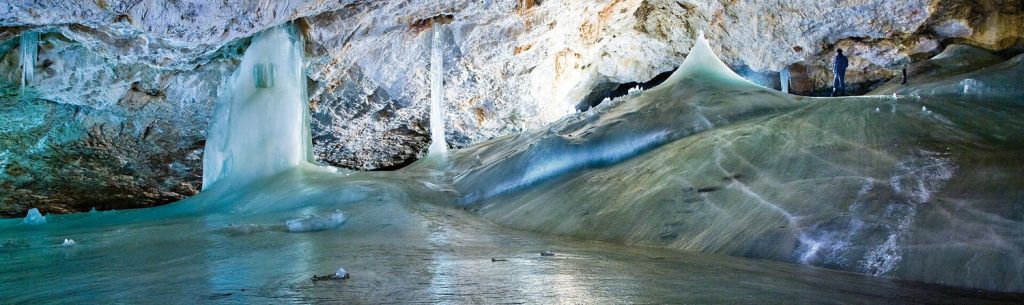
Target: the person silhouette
(839, 69)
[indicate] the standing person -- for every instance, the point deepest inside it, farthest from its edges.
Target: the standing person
(839, 69)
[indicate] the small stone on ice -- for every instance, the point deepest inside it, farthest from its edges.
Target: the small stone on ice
(69, 243)
(547, 253)
(341, 274)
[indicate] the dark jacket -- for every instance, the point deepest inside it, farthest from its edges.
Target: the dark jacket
(840, 64)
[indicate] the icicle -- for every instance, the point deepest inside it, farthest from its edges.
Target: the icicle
(438, 145)
(784, 79)
(28, 51)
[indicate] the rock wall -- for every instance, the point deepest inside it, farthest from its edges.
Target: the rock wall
(132, 83)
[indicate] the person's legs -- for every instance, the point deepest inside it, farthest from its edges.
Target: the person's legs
(836, 85)
(842, 83)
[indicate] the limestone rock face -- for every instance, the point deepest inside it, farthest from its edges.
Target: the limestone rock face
(137, 81)
(91, 133)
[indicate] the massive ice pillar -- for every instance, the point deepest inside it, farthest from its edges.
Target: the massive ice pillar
(438, 145)
(27, 51)
(261, 124)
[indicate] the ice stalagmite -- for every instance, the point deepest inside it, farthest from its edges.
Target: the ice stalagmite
(702, 63)
(28, 51)
(261, 126)
(438, 145)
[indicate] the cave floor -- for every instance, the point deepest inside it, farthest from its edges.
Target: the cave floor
(399, 247)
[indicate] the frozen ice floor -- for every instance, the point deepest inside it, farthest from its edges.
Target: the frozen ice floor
(399, 248)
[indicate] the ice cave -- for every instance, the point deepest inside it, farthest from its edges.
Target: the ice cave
(512, 152)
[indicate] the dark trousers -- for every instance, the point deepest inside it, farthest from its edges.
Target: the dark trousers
(839, 84)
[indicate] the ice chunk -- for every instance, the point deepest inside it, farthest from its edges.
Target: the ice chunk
(69, 243)
(316, 223)
(34, 217)
(341, 273)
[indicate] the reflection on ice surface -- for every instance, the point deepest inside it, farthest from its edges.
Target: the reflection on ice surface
(706, 162)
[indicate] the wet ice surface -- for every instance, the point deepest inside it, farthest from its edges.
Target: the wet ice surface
(399, 247)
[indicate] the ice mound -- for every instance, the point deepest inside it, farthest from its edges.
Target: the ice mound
(316, 223)
(34, 217)
(742, 170)
(701, 95)
(962, 72)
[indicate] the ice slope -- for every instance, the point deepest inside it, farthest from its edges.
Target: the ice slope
(979, 75)
(924, 185)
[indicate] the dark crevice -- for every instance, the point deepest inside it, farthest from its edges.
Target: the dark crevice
(410, 160)
(614, 90)
(426, 23)
(708, 189)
